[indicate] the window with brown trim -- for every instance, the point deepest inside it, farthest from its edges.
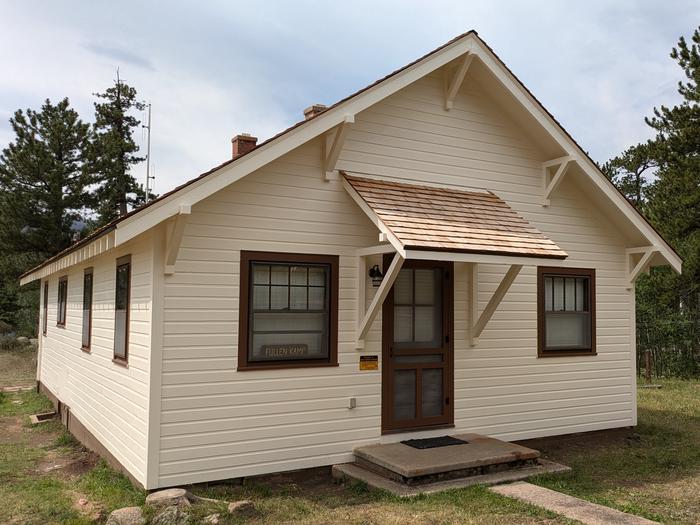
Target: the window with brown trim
(288, 310)
(87, 309)
(565, 311)
(122, 307)
(46, 307)
(62, 303)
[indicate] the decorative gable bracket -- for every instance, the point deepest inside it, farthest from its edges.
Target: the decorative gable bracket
(174, 238)
(333, 145)
(457, 80)
(638, 260)
(477, 325)
(551, 182)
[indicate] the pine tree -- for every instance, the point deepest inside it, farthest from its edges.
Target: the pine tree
(43, 191)
(113, 152)
(631, 172)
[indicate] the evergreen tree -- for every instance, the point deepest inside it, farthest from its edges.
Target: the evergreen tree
(631, 172)
(43, 191)
(113, 152)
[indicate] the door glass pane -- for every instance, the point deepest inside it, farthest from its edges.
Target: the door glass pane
(403, 324)
(431, 392)
(403, 287)
(425, 286)
(404, 394)
(426, 324)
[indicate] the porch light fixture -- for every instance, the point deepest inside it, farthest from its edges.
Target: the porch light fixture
(376, 275)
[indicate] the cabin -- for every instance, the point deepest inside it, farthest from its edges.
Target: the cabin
(432, 255)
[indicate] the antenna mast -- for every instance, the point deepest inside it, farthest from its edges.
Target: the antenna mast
(149, 178)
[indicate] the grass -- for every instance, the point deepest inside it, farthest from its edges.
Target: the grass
(656, 474)
(17, 363)
(44, 472)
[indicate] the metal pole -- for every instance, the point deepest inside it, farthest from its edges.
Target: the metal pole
(148, 154)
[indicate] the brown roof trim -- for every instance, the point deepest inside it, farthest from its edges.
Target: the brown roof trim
(274, 138)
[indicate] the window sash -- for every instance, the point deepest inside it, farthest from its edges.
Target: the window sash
(122, 307)
(280, 306)
(62, 301)
(46, 307)
(87, 308)
(566, 311)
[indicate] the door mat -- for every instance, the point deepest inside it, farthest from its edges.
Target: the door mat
(442, 441)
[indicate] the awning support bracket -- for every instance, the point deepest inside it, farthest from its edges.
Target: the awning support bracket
(367, 317)
(333, 148)
(457, 81)
(492, 305)
(549, 185)
(637, 262)
(175, 238)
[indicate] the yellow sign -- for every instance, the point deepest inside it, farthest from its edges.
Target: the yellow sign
(369, 362)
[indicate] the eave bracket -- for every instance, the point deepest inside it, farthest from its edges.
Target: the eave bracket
(551, 182)
(476, 327)
(638, 260)
(457, 81)
(175, 238)
(333, 145)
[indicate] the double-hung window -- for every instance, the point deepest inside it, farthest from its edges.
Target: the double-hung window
(87, 309)
(288, 310)
(122, 300)
(62, 303)
(566, 311)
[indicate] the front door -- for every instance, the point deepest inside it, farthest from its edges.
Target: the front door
(417, 375)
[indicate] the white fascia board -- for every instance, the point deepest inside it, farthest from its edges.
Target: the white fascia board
(516, 89)
(227, 175)
(485, 258)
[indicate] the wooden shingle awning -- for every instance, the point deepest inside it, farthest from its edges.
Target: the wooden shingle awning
(423, 218)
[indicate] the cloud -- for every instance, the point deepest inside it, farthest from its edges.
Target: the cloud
(120, 55)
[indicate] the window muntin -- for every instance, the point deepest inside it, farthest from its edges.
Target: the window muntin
(288, 310)
(46, 307)
(87, 308)
(62, 302)
(566, 309)
(122, 301)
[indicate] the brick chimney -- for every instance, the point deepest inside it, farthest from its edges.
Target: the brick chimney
(314, 110)
(242, 143)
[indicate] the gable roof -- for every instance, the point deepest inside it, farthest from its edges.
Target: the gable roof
(170, 204)
(430, 218)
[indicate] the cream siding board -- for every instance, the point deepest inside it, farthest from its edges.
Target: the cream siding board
(220, 423)
(110, 400)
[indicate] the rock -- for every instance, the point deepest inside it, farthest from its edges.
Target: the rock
(22, 340)
(82, 502)
(33, 341)
(126, 516)
(241, 508)
(213, 519)
(168, 498)
(172, 515)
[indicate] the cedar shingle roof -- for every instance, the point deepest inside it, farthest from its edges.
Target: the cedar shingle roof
(428, 218)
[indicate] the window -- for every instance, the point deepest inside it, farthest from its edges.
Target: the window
(122, 301)
(566, 311)
(418, 308)
(288, 310)
(62, 301)
(46, 306)
(87, 308)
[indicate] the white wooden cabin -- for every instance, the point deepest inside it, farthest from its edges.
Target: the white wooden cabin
(231, 327)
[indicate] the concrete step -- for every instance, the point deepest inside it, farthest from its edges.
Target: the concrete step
(351, 471)
(480, 455)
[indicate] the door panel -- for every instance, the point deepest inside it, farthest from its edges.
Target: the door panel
(417, 376)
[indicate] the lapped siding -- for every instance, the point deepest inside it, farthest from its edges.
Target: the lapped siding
(109, 399)
(219, 423)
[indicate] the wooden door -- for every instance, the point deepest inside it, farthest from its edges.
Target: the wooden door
(417, 341)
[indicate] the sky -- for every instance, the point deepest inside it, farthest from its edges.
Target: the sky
(212, 69)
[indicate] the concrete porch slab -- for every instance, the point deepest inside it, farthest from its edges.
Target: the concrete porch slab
(479, 451)
(569, 506)
(350, 471)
